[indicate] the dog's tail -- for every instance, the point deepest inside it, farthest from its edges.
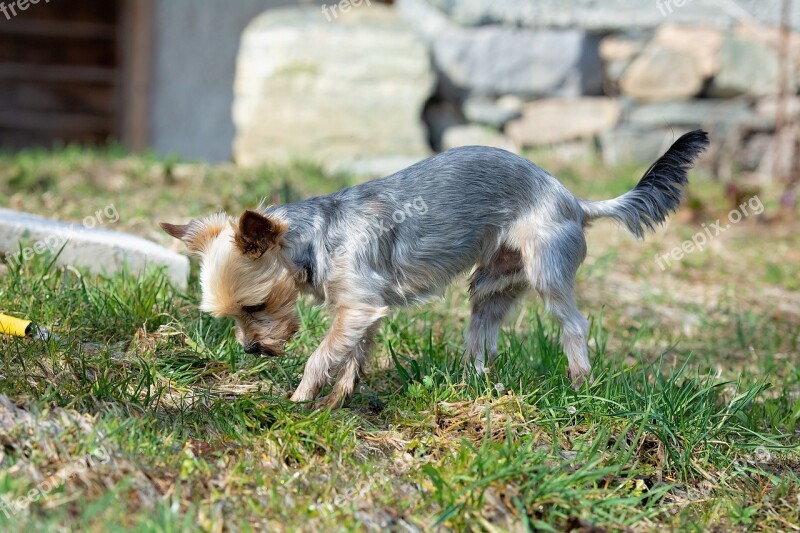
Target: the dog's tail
(658, 193)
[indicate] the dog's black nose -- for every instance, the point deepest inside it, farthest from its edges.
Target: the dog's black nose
(253, 347)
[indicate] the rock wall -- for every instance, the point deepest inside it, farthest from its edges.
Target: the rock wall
(613, 15)
(625, 78)
(378, 87)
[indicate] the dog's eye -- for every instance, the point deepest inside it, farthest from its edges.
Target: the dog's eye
(251, 309)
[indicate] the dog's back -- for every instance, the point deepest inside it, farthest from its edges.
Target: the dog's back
(427, 223)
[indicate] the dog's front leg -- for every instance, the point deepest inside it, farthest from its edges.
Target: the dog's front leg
(351, 371)
(348, 328)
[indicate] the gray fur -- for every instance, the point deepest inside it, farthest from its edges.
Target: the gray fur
(660, 190)
(473, 197)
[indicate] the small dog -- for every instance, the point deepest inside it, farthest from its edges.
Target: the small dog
(402, 239)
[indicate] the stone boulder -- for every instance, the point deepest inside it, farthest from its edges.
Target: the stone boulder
(474, 134)
(702, 113)
(348, 93)
(629, 144)
(558, 120)
(617, 52)
(703, 44)
(746, 68)
(502, 60)
(662, 73)
(100, 251)
(495, 113)
(612, 15)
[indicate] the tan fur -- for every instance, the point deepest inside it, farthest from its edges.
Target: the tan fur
(257, 234)
(341, 344)
(198, 234)
(232, 278)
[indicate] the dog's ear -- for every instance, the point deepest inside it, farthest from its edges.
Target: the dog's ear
(178, 231)
(197, 234)
(257, 233)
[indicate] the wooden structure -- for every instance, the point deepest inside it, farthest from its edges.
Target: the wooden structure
(75, 72)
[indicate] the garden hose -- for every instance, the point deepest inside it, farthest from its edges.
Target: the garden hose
(19, 327)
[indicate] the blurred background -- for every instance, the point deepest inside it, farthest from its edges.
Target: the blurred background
(368, 86)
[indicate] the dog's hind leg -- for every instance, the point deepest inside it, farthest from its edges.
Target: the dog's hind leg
(552, 256)
(488, 314)
(351, 371)
(494, 288)
(348, 328)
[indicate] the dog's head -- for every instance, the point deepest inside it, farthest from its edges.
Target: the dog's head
(244, 275)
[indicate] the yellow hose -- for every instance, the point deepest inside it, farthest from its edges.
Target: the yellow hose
(14, 326)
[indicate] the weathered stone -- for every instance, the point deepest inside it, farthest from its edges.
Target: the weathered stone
(557, 120)
(617, 52)
(774, 39)
(746, 68)
(333, 92)
(473, 134)
(499, 60)
(629, 144)
(582, 150)
(492, 112)
(779, 159)
(661, 73)
(703, 44)
(692, 113)
(619, 47)
(99, 251)
(373, 167)
(612, 15)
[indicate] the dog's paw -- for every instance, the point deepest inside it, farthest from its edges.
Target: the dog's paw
(333, 401)
(300, 396)
(579, 378)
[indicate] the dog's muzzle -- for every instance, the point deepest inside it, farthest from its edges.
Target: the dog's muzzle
(257, 348)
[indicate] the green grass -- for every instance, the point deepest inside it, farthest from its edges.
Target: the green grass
(682, 429)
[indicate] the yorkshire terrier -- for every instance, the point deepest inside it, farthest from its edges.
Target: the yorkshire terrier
(402, 239)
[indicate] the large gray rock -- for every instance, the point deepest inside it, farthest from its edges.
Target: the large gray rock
(495, 113)
(98, 250)
(662, 73)
(705, 113)
(617, 52)
(745, 68)
(607, 15)
(349, 92)
(703, 44)
(557, 120)
(474, 134)
(499, 60)
(727, 121)
(629, 144)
